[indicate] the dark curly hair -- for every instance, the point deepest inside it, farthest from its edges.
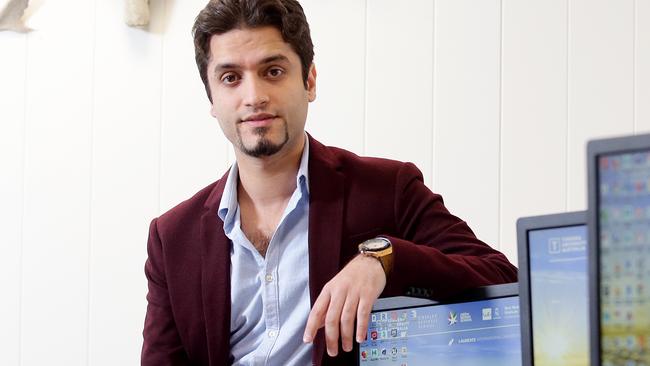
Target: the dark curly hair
(221, 16)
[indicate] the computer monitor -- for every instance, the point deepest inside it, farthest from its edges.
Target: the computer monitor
(553, 289)
(619, 224)
(479, 328)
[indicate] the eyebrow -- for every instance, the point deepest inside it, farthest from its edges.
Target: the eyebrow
(266, 60)
(274, 58)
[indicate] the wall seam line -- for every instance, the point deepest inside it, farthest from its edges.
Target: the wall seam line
(634, 66)
(365, 82)
(22, 212)
(500, 149)
(567, 127)
(434, 126)
(161, 111)
(91, 180)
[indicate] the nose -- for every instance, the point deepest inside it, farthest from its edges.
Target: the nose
(255, 93)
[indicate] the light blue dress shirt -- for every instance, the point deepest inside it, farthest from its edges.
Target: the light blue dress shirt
(269, 295)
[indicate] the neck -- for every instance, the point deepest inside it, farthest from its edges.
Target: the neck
(267, 180)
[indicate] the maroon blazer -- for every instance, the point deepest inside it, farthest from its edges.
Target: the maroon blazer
(351, 199)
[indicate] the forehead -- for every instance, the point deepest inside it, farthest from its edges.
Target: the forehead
(249, 46)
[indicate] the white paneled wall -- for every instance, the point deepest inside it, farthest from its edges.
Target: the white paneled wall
(641, 68)
(103, 127)
(467, 110)
(12, 158)
(533, 113)
(601, 81)
(124, 175)
(57, 184)
(337, 115)
(399, 82)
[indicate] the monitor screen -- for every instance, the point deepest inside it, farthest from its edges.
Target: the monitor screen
(483, 332)
(624, 232)
(558, 295)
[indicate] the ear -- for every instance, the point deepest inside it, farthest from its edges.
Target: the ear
(311, 83)
(213, 111)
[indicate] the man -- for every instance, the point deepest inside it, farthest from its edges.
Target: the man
(275, 262)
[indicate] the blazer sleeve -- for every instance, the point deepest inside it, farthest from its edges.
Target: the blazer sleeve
(436, 250)
(162, 344)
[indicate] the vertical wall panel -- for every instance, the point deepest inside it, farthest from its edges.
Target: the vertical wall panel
(194, 151)
(466, 111)
(534, 113)
(12, 105)
(336, 117)
(600, 82)
(125, 172)
(399, 86)
(56, 188)
(642, 63)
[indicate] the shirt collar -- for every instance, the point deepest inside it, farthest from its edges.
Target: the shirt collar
(229, 204)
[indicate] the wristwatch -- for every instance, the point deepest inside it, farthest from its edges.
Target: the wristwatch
(380, 248)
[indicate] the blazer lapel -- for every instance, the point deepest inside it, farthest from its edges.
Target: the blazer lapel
(215, 279)
(326, 199)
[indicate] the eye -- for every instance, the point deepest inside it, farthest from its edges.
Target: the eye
(229, 78)
(275, 72)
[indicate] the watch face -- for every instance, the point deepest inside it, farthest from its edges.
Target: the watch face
(376, 244)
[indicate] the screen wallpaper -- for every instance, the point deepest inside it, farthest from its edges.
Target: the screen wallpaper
(559, 296)
(483, 333)
(624, 220)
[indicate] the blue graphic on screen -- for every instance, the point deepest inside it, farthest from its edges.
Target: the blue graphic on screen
(558, 294)
(624, 222)
(482, 333)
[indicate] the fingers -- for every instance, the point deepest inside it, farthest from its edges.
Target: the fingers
(348, 316)
(337, 312)
(316, 316)
(348, 296)
(363, 314)
(332, 321)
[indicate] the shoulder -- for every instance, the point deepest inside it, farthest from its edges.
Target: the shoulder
(353, 165)
(187, 214)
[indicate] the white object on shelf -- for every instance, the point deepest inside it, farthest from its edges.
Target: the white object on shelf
(136, 12)
(11, 13)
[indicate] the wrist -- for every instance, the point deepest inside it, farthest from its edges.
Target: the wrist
(381, 249)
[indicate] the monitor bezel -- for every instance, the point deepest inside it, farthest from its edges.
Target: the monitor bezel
(524, 226)
(596, 149)
(475, 294)
(405, 302)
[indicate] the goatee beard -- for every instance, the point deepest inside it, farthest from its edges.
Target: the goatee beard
(264, 146)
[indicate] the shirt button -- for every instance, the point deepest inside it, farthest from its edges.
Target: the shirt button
(269, 278)
(272, 333)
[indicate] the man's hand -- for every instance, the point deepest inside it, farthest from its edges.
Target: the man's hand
(349, 295)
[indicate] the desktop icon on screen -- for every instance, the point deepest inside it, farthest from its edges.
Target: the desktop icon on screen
(452, 318)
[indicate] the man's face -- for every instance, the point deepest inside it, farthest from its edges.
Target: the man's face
(258, 93)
